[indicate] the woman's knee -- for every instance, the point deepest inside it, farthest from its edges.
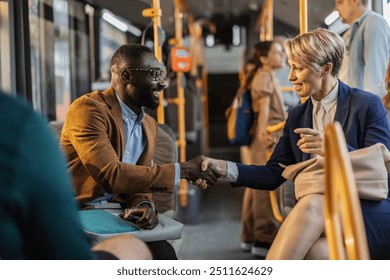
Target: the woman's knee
(319, 251)
(312, 203)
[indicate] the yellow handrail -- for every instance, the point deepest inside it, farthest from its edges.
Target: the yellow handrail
(344, 224)
(156, 14)
(198, 62)
(272, 194)
(266, 34)
(265, 21)
(275, 127)
(201, 82)
(303, 16)
(266, 31)
(182, 143)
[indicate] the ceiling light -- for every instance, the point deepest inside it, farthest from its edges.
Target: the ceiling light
(331, 17)
(114, 21)
(122, 25)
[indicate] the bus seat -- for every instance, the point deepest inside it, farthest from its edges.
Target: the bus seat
(344, 225)
(166, 152)
(56, 127)
(287, 198)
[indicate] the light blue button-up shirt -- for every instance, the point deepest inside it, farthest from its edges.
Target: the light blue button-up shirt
(368, 51)
(135, 142)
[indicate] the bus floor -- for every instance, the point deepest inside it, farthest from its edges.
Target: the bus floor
(216, 233)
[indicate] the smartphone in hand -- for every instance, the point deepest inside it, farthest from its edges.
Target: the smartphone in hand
(131, 218)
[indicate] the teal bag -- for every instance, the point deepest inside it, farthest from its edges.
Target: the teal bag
(102, 222)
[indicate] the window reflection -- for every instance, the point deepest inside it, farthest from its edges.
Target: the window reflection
(61, 58)
(5, 70)
(111, 38)
(50, 57)
(386, 11)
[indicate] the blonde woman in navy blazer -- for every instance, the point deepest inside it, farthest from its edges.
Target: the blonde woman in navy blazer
(315, 59)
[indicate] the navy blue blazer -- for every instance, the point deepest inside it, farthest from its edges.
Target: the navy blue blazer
(361, 115)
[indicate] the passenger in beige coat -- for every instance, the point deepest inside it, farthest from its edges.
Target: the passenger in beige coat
(259, 226)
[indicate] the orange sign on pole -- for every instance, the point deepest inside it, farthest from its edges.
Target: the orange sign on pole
(181, 59)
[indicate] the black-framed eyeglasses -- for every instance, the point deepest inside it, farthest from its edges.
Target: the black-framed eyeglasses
(157, 74)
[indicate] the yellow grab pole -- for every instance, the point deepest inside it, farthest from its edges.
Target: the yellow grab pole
(270, 18)
(262, 23)
(201, 81)
(156, 14)
(183, 191)
(266, 34)
(272, 194)
(303, 16)
(198, 59)
(266, 21)
(303, 24)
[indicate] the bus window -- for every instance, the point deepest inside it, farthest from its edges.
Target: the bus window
(386, 11)
(5, 70)
(112, 36)
(61, 58)
(58, 50)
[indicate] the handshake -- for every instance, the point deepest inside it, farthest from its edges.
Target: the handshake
(202, 171)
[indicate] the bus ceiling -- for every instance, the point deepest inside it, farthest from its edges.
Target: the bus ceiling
(225, 12)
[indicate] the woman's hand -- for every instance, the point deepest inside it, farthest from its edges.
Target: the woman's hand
(311, 142)
(218, 167)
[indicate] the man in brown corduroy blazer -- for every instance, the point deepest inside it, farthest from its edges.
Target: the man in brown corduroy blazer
(109, 141)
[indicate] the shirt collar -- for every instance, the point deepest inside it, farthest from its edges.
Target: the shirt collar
(330, 100)
(359, 20)
(128, 113)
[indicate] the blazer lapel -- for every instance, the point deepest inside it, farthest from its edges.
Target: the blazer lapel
(343, 104)
(307, 121)
(149, 151)
(112, 101)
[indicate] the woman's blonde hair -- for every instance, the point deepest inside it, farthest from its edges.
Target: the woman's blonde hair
(315, 48)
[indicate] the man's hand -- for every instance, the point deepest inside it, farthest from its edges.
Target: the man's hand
(191, 170)
(217, 166)
(143, 216)
(311, 141)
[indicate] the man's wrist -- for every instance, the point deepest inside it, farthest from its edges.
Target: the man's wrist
(183, 170)
(149, 203)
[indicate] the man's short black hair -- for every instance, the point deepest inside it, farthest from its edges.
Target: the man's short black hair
(129, 54)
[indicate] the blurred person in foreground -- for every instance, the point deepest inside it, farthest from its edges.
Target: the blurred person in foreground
(38, 213)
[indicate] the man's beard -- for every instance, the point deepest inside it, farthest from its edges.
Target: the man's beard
(145, 98)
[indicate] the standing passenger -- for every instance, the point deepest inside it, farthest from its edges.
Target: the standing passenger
(290, 97)
(258, 223)
(246, 69)
(368, 47)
